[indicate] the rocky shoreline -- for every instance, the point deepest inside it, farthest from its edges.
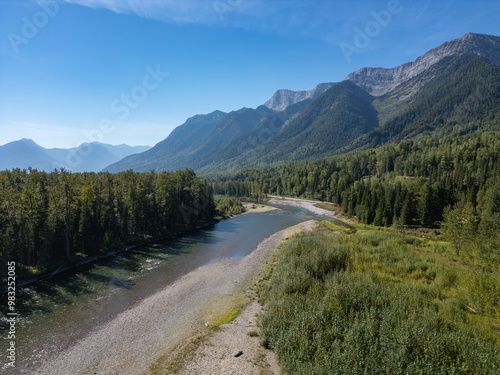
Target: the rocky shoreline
(301, 203)
(152, 329)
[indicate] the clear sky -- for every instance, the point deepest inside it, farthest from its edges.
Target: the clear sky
(130, 71)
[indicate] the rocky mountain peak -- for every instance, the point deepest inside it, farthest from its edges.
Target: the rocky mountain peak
(379, 81)
(285, 98)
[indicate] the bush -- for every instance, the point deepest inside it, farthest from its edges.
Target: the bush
(228, 205)
(328, 314)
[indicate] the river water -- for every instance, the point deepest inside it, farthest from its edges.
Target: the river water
(54, 314)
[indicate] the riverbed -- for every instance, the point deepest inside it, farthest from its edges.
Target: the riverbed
(66, 322)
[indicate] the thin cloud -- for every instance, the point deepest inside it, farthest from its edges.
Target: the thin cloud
(174, 11)
(320, 20)
(41, 128)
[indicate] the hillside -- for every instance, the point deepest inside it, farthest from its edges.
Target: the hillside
(467, 90)
(451, 85)
(380, 81)
(328, 123)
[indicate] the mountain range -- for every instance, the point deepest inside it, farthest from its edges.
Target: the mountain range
(88, 157)
(451, 85)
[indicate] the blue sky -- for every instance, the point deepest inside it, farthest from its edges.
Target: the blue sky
(130, 71)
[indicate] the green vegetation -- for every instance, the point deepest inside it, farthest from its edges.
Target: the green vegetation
(253, 333)
(228, 205)
(437, 148)
(406, 184)
(228, 317)
(47, 219)
(381, 302)
(335, 227)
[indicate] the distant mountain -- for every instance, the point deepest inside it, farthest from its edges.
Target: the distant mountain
(24, 154)
(466, 90)
(454, 84)
(88, 157)
(331, 121)
(282, 99)
(379, 81)
(194, 142)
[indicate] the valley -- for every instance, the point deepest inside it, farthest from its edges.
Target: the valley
(380, 254)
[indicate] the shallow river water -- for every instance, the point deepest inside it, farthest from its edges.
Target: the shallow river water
(56, 313)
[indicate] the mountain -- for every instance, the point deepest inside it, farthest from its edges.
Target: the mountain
(466, 92)
(449, 87)
(24, 154)
(333, 120)
(379, 81)
(269, 126)
(283, 99)
(182, 137)
(88, 157)
(92, 157)
(191, 144)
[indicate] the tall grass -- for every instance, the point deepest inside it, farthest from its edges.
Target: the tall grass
(378, 302)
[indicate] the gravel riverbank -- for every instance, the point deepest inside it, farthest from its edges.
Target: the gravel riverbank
(301, 203)
(233, 351)
(136, 338)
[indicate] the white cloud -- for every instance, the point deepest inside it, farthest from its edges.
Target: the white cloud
(320, 19)
(175, 11)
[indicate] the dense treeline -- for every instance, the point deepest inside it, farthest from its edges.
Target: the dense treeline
(46, 218)
(407, 184)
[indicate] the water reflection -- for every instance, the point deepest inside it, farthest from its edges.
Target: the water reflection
(57, 312)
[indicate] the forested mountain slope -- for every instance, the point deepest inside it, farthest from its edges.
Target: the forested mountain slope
(192, 143)
(467, 89)
(452, 84)
(331, 121)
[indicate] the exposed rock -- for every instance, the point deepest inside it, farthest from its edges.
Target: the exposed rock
(282, 99)
(379, 81)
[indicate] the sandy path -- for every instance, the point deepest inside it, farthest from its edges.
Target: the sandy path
(137, 337)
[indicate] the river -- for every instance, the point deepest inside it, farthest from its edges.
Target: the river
(54, 314)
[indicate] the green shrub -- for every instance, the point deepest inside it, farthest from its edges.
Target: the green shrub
(228, 205)
(326, 314)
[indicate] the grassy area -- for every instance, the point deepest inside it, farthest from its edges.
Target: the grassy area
(228, 317)
(381, 301)
(334, 227)
(327, 206)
